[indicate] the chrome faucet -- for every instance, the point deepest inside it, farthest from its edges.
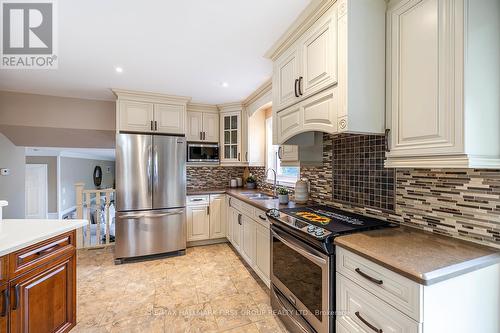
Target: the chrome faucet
(274, 183)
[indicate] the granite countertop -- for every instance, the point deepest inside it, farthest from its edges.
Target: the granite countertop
(421, 256)
(237, 193)
(18, 233)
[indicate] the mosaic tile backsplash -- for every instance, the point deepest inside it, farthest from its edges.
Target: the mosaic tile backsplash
(207, 177)
(461, 203)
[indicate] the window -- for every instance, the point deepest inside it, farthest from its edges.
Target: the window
(286, 175)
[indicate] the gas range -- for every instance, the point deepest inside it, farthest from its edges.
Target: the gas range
(321, 224)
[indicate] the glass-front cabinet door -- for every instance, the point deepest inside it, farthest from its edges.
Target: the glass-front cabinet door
(231, 136)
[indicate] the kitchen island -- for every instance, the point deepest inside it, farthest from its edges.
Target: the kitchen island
(38, 275)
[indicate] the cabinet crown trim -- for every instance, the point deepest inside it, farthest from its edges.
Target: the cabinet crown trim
(149, 96)
(305, 20)
(201, 107)
(236, 106)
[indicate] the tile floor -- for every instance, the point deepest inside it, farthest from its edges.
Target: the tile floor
(207, 290)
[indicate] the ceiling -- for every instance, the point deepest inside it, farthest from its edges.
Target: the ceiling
(186, 48)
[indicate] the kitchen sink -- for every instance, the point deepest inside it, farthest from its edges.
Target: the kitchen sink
(261, 196)
(257, 196)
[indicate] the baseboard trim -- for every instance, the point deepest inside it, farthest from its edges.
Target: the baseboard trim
(207, 242)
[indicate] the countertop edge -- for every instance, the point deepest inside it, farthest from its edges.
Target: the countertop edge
(438, 275)
(75, 224)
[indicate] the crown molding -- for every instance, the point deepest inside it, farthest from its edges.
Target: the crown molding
(308, 16)
(259, 92)
(202, 107)
(236, 106)
(149, 96)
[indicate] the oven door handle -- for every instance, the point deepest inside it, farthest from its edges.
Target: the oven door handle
(318, 260)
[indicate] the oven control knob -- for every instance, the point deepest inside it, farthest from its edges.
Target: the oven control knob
(311, 228)
(319, 232)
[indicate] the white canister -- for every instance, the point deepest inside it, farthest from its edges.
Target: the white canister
(301, 191)
(234, 182)
(239, 181)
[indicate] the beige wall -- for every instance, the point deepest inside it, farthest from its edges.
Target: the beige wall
(50, 121)
(76, 170)
(51, 162)
(12, 187)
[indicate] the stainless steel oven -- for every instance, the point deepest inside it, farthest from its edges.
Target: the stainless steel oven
(202, 152)
(302, 278)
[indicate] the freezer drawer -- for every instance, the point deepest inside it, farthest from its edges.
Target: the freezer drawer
(144, 233)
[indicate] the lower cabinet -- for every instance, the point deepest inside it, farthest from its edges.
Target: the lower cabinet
(206, 217)
(38, 292)
(198, 223)
(217, 216)
(262, 252)
(4, 309)
(250, 235)
(42, 300)
(248, 240)
(237, 222)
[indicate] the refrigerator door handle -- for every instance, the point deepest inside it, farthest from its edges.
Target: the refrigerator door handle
(152, 214)
(155, 164)
(149, 169)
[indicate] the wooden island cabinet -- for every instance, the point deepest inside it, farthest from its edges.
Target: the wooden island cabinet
(38, 287)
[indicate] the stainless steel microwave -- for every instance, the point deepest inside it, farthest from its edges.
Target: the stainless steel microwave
(202, 152)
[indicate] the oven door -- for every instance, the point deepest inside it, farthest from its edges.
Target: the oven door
(203, 153)
(301, 273)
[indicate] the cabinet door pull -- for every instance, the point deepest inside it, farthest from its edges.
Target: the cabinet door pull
(230, 202)
(5, 302)
(262, 218)
(16, 297)
(151, 125)
(279, 152)
(375, 329)
(295, 88)
(300, 85)
(156, 125)
(246, 156)
(204, 135)
(208, 210)
(238, 156)
(387, 146)
(239, 219)
(368, 277)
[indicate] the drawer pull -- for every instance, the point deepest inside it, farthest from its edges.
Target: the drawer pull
(6, 297)
(16, 297)
(262, 218)
(378, 330)
(368, 277)
(197, 199)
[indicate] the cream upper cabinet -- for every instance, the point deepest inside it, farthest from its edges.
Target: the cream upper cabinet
(309, 65)
(202, 123)
(211, 127)
(150, 112)
(288, 153)
(170, 118)
(340, 50)
(318, 55)
(194, 130)
(442, 111)
(286, 74)
(136, 116)
(231, 133)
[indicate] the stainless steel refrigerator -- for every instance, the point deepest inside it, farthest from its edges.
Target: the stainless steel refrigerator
(150, 195)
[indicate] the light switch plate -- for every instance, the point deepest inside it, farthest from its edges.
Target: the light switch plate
(4, 172)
